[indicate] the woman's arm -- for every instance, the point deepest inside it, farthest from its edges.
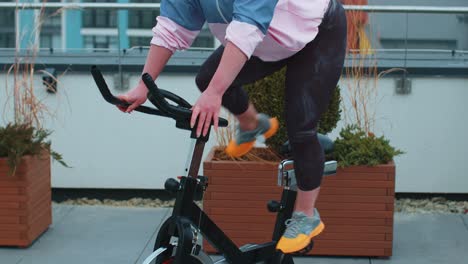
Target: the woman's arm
(208, 105)
(232, 61)
(156, 60)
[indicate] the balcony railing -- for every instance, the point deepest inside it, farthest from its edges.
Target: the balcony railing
(392, 57)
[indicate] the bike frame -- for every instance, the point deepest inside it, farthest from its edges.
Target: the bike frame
(186, 212)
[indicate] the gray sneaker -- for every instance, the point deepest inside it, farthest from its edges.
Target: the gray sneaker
(300, 230)
(244, 141)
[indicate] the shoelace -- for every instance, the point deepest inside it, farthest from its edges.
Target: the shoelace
(292, 227)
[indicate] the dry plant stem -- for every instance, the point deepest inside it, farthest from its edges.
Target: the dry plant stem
(362, 78)
(27, 108)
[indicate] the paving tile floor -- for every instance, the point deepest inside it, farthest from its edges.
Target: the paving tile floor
(125, 235)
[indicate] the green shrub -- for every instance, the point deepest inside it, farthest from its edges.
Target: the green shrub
(268, 97)
(18, 140)
(354, 147)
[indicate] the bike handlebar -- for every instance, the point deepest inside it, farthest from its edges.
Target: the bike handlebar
(156, 96)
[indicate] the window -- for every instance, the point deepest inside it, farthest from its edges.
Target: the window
(140, 41)
(7, 28)
(100, 42)
(99, 18)
(419, 44)
(205, 39)
(51, 28)
(142, 19)
(145, 20)
(7, 40)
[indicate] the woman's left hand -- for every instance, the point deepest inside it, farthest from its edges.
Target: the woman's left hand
(206, 109)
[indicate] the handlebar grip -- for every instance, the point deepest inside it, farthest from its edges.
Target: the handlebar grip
(159, 100)
(110, 98)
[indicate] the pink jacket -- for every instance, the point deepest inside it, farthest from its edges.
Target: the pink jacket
(271, 30)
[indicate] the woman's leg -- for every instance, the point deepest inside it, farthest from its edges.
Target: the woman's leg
(236, 99)
(311, 78)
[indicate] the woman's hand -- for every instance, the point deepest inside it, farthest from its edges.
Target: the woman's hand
(206, 109)
(135, 97)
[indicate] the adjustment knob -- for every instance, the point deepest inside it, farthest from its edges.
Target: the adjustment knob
(172, 185)
(274, 206)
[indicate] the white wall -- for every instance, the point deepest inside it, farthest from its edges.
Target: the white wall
(430, 125)
(110, 149)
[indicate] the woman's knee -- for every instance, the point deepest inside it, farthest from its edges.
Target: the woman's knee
(308, 159)
(202, 80)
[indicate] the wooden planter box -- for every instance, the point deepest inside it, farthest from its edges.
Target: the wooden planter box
(25, 201)
(356, 206)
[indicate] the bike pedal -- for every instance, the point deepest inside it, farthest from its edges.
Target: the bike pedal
(305, 250)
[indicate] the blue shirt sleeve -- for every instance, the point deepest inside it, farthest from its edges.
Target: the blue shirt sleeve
(255, 12)
(186, 13)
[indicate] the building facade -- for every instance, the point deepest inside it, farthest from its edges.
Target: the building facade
(87, 29)
(112, 29)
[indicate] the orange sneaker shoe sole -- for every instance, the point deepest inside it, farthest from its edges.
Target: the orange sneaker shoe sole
(304, 241)
(235, 150)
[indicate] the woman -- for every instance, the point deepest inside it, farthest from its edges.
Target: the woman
(259, 37)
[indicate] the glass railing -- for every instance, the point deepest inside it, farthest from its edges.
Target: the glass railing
(393, 32)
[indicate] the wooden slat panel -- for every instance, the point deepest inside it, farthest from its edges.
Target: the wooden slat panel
(266, 236)
(242, 182)
(235, 203)
(40, 224)
(354, 191)
(12, 184)
(351, 206)
(245, 189)
(19, 227)
(388, 252)
(9, 220)
(332, 221)
(10, 205)
(243, 197)
(270, 175)
(351, 236)
(42, 189)
(12, 234)
(319, 250)
(389, 168)
(14, 242)
(9, 190)
(357, 184)
(361, 176)
(356, 199)
(243, 165)
(208, 203)
(43, 204)
(252, 226)
(243, 211)
(12, 198)
(13, 212)
(277, 190)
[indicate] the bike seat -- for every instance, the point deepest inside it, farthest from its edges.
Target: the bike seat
(325, 142)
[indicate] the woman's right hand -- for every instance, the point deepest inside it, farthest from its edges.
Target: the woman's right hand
(135, 97)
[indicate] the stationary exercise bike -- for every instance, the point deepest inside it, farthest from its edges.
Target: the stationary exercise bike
(177, 241)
